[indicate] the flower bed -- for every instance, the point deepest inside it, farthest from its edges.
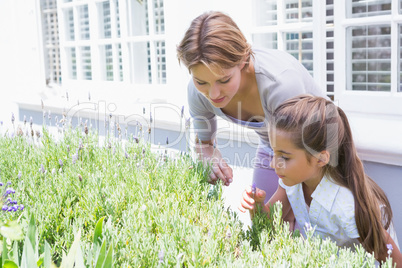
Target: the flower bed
(119, 203)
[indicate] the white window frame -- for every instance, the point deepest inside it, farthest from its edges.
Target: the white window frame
(378, 103)
(98, 81)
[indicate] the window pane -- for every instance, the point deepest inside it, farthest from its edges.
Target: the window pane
(364, 8)
(120, 62)
(84, 22)
(265, 12)
(138, 18)
(159, 17)
(86, 63)
(117, 18)
(295, 13)
(104, 20)
(161, 61)
(72, 62)
(69, 17)
(106, 50)
(266, 40)
(300, 45)
(330, 60)
(330, 11)
(140, 63)
(369, 58)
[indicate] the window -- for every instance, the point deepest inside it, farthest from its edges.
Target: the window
(290, 25)
(368, 56)
(114, 40)
(367, 73)
(51, 41)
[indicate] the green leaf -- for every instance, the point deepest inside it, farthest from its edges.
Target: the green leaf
(11, 230)
(32, 231)
(9, 264)
(4, 254)
(47, 261)
(28, 254)
(98, 234)
(109, 258)
(101, 256)
(15, 252)
(69, 260)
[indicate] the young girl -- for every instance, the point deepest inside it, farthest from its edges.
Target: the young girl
(322, 180)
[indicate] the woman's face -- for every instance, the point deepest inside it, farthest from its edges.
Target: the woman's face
(219, 88)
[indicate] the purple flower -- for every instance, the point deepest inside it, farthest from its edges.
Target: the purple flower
(167, 140)
(161, 256)
(182, 111)
(19, 175)
(42, 168)
(1, 184)
(4, 208)
(253, 189)
(9, 191)
(60, 162)
(22, 207)
(12, 118)
(390, 248)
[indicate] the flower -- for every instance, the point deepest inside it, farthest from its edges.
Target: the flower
(19, 175)
(161, 256)
(6, 202)
(60, 162)
(253, 189)
(390, 248)
(308, 227)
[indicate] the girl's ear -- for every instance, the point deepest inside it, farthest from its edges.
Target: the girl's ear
(323, 158)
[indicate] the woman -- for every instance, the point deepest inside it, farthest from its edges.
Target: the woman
(239, 83)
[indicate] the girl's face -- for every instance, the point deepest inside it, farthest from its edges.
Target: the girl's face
(218, 88)
(291, 163)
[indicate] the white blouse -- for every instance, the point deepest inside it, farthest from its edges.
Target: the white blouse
(332, 212)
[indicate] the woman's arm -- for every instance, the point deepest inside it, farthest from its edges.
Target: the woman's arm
(210, 155)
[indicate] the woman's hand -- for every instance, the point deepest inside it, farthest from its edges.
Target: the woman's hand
(251, 198)
(210, 155)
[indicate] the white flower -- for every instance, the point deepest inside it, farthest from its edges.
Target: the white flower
(143, 207)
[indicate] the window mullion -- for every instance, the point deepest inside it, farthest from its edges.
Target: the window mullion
(94, 41)
(124, 20)
(115, 41)
(77, 31)
(395, 70)
(340, 68)
(281, 20)
(152, 47)
(319, 43)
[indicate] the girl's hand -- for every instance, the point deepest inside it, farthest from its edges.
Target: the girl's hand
(211, 156)
(252, 198)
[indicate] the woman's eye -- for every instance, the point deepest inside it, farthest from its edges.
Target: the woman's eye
(226, 81)
(201, 83)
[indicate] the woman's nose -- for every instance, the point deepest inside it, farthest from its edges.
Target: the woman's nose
(214, 92)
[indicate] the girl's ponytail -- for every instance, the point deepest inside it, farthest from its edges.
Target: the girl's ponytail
(372, 209)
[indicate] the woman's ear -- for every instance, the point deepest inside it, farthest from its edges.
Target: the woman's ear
(323, 158)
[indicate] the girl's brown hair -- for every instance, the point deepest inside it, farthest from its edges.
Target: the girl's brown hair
(316, 124)
(214, 40)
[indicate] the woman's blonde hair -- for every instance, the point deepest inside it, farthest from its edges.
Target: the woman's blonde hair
(316, 124)
(214, 40)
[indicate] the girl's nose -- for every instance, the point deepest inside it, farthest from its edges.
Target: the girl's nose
(272, 163)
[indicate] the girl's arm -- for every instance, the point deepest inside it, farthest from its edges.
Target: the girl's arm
(250, 201)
